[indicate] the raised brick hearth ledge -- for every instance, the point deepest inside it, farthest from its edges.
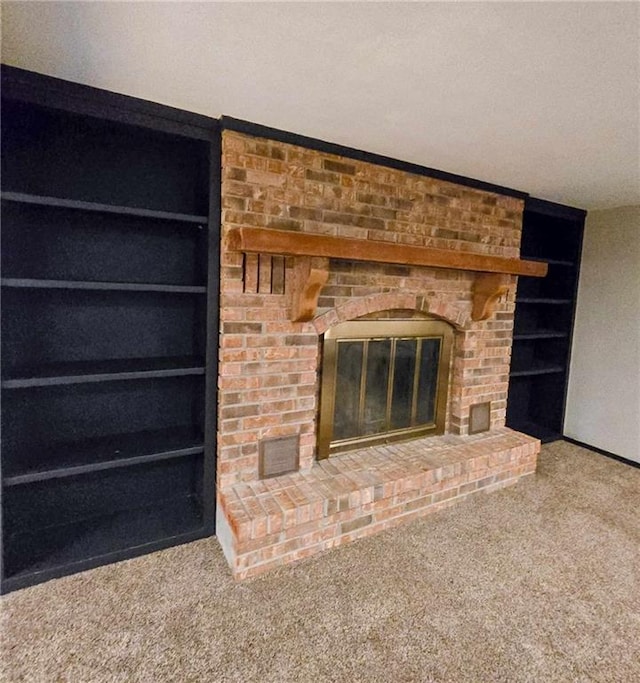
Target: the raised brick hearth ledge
(267, 523)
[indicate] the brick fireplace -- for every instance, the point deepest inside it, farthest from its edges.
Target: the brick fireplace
(271, 345)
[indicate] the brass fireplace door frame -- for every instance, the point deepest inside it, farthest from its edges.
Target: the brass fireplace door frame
(373, 330)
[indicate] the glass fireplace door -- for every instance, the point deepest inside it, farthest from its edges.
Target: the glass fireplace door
(383, 381)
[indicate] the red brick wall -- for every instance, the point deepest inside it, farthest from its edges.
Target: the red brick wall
(268, 365)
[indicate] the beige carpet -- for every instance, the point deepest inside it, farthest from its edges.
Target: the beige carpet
(539, 582)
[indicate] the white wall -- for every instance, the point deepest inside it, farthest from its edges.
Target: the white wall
(490, 90)
(603, 404)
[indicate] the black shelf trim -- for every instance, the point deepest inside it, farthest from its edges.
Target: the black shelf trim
(540, 370)
(41, 200)
(32, 283)
(543, 300)
(85, 100)
(553, 209)
(103, 453)
(83, 372)
(550, 261)
(258, 130)
(542, 334)
(213, 310)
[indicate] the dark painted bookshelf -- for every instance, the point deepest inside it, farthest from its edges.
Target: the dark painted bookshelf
(108, 344)
(544, 315)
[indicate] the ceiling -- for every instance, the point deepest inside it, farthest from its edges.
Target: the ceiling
(542, 97)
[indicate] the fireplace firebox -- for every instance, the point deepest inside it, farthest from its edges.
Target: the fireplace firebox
(383, 381)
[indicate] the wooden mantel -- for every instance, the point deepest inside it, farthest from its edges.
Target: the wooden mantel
(312, 253)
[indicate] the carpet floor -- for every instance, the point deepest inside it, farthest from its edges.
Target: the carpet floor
(538, 582)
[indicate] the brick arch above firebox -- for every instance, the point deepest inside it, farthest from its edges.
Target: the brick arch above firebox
(357, 307)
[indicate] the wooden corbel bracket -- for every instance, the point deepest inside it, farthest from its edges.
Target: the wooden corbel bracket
(487, 289)
(309, 277)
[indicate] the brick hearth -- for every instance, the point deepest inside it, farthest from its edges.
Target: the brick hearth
(275, 521)
(270, 367)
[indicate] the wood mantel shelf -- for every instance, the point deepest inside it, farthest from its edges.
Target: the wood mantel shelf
(313, 252)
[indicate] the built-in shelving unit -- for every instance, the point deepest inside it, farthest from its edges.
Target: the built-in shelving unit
(107, 387)
(544, 319)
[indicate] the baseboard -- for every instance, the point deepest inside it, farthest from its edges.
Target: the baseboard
(607, 454)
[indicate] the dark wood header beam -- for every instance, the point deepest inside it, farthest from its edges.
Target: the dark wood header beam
(490, 282)
(287, 243)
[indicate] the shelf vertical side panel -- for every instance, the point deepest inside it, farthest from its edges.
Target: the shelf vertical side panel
(212, 328)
